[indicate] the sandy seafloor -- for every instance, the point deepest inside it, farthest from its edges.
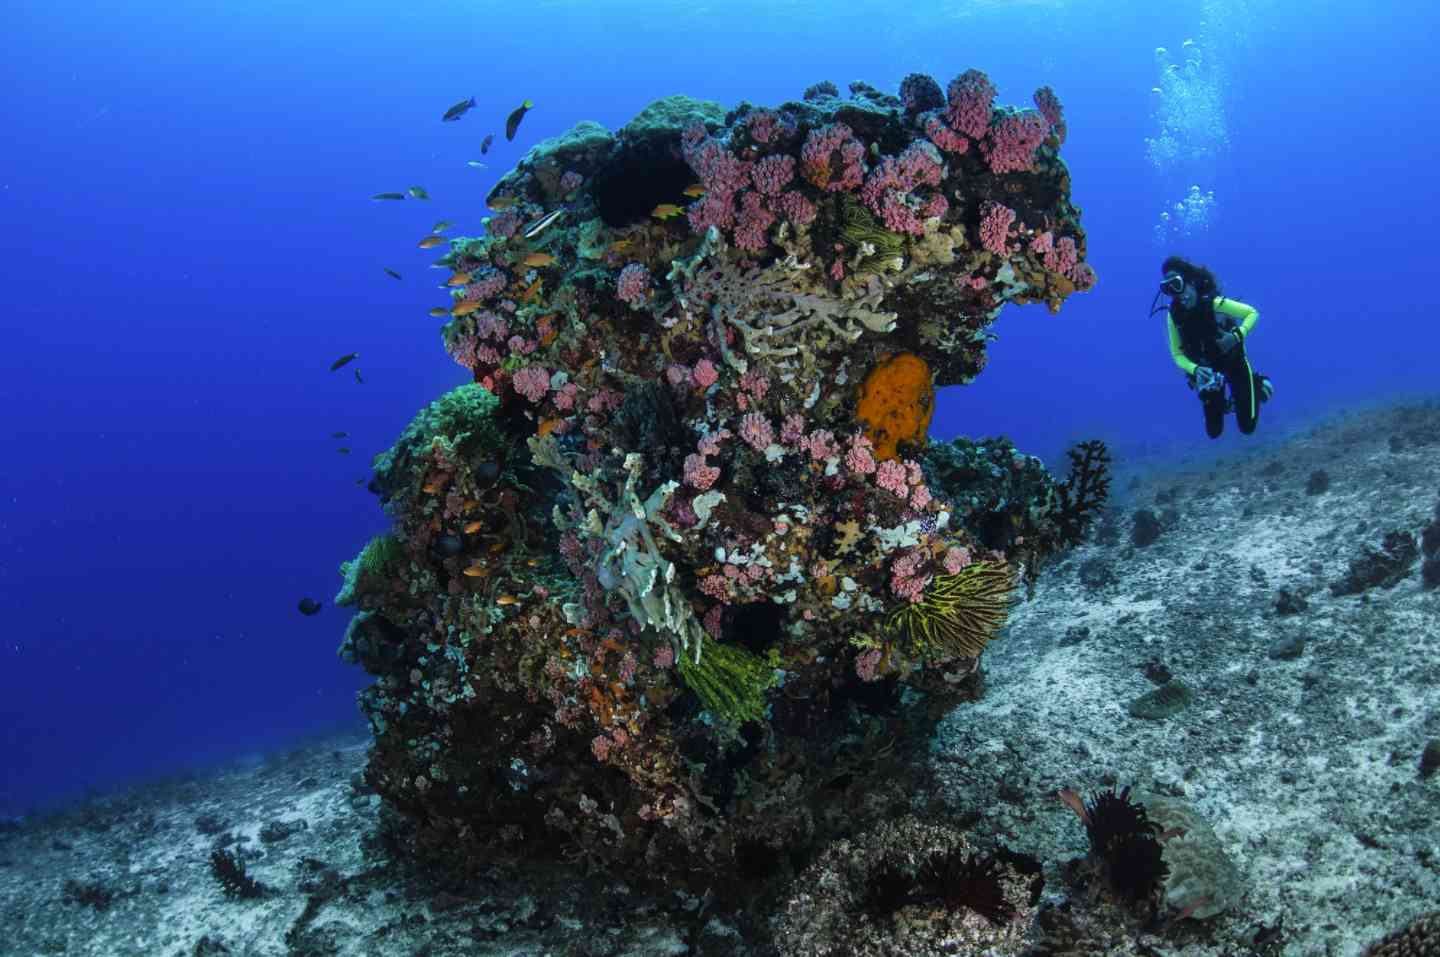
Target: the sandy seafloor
(1297, 758)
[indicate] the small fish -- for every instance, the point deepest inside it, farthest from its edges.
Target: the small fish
(476, 571)
(476, 164)
(512, 122)
(360, 483)
(485, 143)
(458, 110)
(339, 435)
(388, 196)
(359, 380)
(439, 311)
(472, 527)
(532, 231)
(343, 450)
(695, 190)
(344, 360)
(431, 241)
(309, 606)
(458, 279)
(621, 245)
(507, 600)
(431, 488)
(391, 273)
(418, 192)
(666, 211)
(539, 259)
(465, 308)
(501, 202)
(441, 226)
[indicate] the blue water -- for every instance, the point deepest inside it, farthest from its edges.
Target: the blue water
(188, 243)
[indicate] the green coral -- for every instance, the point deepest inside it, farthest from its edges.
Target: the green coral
(464, 418)
(375, 563)
(730, 681)
(958, 614)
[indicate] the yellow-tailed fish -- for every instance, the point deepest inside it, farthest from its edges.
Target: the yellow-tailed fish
(441, 226)
(695, 190)
(465, 308)
(666, 211)
(539, 259)
(507, 600)
(431, 241)
(472, 527)
(439, 311)
(458, 279)
(476, 571)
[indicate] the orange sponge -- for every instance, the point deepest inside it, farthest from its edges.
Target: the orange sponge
(896, 403)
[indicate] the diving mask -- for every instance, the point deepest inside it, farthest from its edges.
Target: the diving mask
(1173, 284)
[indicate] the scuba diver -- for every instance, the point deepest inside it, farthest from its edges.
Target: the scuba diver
(1207, 341)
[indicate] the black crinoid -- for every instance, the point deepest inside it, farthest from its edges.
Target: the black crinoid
(1124, 837)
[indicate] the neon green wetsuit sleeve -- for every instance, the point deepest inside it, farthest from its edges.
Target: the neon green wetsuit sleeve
(1177, 353)
(1245, 315)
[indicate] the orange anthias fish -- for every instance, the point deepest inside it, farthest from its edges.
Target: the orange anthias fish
(465, 308)
(431, 241)
(476, 571)
(473, 527)
(439, 311)
(459, 279)
(539, 259)
(666, 211)
(695, 190)
(507, 600)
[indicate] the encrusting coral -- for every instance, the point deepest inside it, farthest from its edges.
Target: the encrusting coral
(680, 558)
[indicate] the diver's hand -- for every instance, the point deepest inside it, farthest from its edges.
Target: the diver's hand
(1228, 342)
(1201, 378)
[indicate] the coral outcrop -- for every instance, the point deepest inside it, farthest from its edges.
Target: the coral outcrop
(676, 582)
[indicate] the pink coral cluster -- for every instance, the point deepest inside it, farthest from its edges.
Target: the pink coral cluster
(907, 580)
(833, 159)
(1049, 106)
(757, 432)
(1014, 140)
(533, 382)
(699, 474)
(632, 286)
(889, 188)
(859, 458)
(968, 101)
(995, 222)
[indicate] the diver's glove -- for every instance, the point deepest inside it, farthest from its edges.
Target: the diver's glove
(1228, 341)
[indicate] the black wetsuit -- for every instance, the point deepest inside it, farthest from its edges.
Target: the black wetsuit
(1194, 340)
